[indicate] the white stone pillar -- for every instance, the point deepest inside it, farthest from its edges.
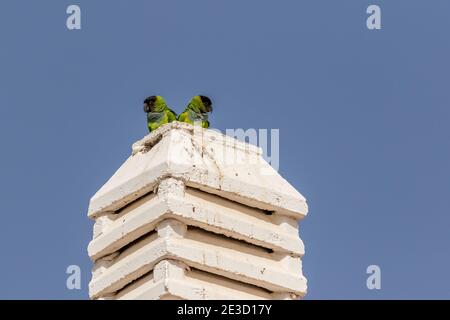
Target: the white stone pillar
(194, 214)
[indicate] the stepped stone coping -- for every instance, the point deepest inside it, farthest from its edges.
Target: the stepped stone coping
(199, 249)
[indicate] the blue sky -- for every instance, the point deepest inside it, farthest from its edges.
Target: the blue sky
(363, 118)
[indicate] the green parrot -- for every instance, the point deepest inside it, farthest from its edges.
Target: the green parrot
(197, 111)
(158, 113)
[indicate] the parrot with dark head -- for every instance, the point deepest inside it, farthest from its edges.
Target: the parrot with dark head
(197, 111)
(158, 113)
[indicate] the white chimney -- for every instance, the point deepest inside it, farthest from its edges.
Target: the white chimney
(194, 214)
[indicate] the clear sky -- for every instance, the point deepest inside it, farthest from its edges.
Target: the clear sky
(363, 116)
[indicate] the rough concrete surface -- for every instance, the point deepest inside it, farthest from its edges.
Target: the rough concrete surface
(194, 214)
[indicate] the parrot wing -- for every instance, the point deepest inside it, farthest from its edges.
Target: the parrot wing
(172, 112)
(172, 116)
(183, 117)
(191, 117)
(155, 120)
(155, 117)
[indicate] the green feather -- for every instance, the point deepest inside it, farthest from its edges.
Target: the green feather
(161, 114)
(194, 113)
